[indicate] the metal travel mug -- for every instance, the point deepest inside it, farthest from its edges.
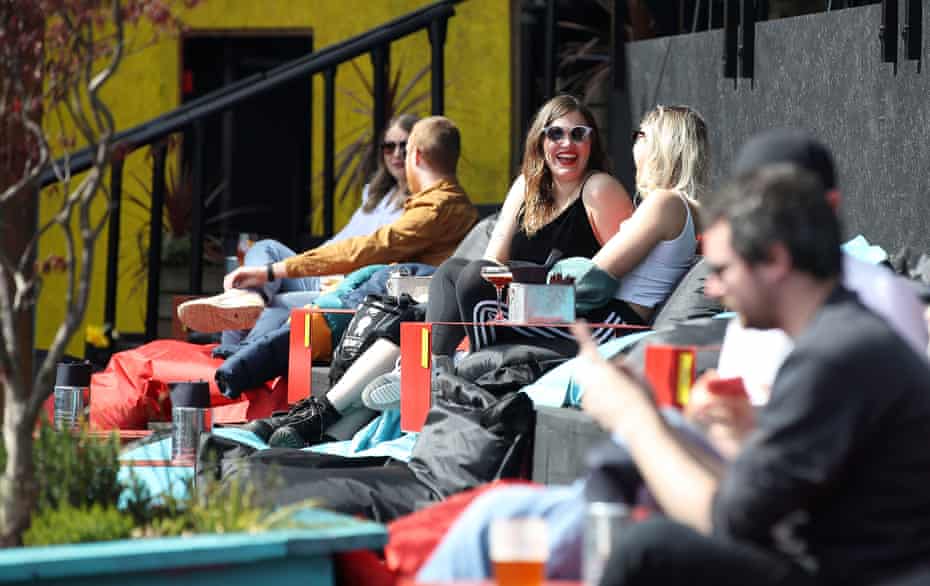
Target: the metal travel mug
(604, 524)
(72, 394)
(190, 416)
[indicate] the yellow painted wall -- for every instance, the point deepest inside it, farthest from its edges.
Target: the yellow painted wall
(478, 87)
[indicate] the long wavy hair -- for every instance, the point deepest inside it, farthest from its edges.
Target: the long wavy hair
(539, 198)
(677, 156)
(382, 181)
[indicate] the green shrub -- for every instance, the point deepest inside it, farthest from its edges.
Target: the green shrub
(73, 469)
(80, 498)
(68, 524)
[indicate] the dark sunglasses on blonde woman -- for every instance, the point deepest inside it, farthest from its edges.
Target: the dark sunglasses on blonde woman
(389, 146)
(575, 133)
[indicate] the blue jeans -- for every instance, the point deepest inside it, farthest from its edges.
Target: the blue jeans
(281, 295)
(463, 554)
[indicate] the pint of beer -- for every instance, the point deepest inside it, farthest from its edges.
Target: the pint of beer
(519, 549)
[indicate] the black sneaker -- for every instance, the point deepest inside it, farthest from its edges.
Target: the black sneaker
(306, 427)
(264, 428)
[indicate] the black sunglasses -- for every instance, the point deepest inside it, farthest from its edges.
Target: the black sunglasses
(575, 133)
(389, 146)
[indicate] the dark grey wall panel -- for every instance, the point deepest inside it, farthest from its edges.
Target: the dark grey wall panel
(822, 73)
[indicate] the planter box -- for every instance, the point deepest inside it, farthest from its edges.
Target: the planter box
(283, 557)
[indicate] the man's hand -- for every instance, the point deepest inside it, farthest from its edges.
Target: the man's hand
(726, 418)
(246, 278)
(612, 394)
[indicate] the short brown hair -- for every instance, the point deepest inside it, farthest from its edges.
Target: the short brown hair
(438, 140)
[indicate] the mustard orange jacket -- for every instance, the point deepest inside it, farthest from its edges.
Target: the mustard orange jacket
(433, 223)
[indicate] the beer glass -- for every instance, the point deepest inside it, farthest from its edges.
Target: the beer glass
(519, 549)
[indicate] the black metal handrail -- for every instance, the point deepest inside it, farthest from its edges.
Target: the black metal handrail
(376, 42)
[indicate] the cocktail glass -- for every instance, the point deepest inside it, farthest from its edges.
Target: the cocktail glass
(500, 277)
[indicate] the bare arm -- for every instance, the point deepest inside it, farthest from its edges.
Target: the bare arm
(660, 217)
(607, 204)
(682, 484)
(499, 245)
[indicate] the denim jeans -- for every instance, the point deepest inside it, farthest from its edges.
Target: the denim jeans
(281, 295)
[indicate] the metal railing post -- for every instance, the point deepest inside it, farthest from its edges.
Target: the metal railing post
(437, 41)
(380, 66)
(329, 147)
(549, 51)
(116, 189)
(198, 187)
(155, 228)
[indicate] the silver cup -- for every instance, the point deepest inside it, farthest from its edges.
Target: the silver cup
(187, 423)
(604, 524)
(72, 394)
(70, 405)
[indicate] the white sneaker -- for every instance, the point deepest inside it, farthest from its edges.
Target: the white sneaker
(235, 309)
(383, 392)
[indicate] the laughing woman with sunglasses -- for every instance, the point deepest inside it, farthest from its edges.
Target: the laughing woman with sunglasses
(563, 200)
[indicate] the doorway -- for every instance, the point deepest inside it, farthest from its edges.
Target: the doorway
(256, 154)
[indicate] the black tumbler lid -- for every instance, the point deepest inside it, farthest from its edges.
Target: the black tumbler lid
(73, 374)
(190, 394)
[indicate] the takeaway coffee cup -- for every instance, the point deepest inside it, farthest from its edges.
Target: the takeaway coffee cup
(603, 525)
(519, 548)
(72, 394)
(190, 416)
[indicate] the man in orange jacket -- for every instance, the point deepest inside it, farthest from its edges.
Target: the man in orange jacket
(435, 219)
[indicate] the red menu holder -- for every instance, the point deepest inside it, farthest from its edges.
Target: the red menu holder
(670, 371)
(300, 357)
(415, 374)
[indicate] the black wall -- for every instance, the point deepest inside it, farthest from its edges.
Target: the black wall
(822, 73)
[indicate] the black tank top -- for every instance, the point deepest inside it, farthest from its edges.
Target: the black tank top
(570, 232)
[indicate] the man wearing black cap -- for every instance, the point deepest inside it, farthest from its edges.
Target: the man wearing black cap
(756, 354)
(831, 486)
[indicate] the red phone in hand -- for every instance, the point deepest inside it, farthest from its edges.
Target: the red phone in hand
(728, 387)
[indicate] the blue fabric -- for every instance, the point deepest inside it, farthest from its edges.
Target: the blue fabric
(381, 437)
(463, 554)
(860, 248)
(557, 387)
(334, 299)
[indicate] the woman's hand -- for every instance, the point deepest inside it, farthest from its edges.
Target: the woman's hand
(246, 278)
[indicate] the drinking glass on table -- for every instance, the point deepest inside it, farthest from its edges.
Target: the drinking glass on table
(500, 277)
(519, 549)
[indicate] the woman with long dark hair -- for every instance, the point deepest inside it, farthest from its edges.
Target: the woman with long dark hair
(564, 199)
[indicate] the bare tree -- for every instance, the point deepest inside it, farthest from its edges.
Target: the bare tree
(55, 56)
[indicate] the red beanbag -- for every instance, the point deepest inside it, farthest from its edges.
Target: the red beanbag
(412, 538)
(133, 389)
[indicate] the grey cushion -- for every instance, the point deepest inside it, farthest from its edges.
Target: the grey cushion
(687, 300)
(475, 242)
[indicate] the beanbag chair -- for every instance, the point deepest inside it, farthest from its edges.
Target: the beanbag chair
(413, 537)
(133, 389)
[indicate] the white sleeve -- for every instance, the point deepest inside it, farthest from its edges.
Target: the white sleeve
(354, 226)
(890, 296)
(755, 355)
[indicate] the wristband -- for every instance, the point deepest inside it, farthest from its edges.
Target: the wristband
(270, 268)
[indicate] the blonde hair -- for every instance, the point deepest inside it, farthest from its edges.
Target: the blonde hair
(539, 199)
(677, 156)
(439, 141)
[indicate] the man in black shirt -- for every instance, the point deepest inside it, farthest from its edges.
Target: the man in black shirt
(833, 485)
